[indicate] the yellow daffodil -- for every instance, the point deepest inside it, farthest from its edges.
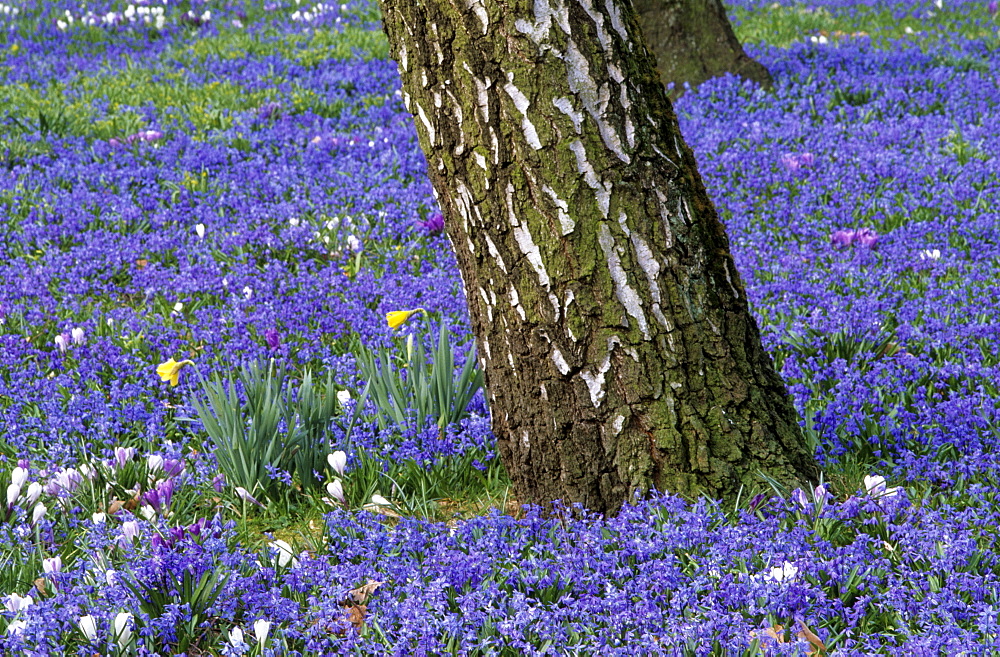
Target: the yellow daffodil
(399, 317)
(171, 370)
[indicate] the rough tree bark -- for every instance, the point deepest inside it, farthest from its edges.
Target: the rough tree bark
(694, 41)
(618, 349)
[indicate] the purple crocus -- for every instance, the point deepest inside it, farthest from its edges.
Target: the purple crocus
(273, 338)
(862, 237)
(796, 161)
(433, 224)
(842, 237)
(992, 7)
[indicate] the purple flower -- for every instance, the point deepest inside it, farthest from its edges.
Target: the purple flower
(866, 237)
(862, 236)
(273, 339)
(795, 161)
(268, 111)
(433, 224)
(842, 237)
(123, 455)
(992, 7)
(799, 497)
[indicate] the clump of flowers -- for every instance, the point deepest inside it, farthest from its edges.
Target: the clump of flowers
(139, 137)
(797, 161)
(861, 237)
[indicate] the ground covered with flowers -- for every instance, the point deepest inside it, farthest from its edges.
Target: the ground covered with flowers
(212, 441)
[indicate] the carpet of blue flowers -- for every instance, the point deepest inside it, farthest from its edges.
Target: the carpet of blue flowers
(192, 191)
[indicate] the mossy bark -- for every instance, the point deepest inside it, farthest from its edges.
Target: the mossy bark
(694, 41)
(618, 349)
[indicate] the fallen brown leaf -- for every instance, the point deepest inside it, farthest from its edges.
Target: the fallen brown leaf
(360, 595)
(819, 648)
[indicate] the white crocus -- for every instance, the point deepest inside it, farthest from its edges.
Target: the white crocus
(260, 630)
(19, 476)
(783, 573)
(38, 513)
(13, 492)
(88, 625)
(236, 636)
(32, 494)
(336, 490)
(338, 461)
(123, 628)
(285, 554)
(16, 603)
(876, 487)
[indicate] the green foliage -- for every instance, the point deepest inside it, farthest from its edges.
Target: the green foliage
(264, 424)
(415, 489)
(782, 24)
(155, 596)
(408, 389)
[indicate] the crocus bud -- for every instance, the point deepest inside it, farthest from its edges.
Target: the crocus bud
(78, 336)
(18, 476)
(52, 565)
(62, 342)
(260, 630)
(336, 490)
(13, 492)
(38, 513)
(236, 636)
(88, 625)
(130, 530)
(337, 461)
(32, 494)
(123, 628)
(199, 230)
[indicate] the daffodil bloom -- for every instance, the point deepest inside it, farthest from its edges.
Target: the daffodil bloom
(397, 318)
(171, 370)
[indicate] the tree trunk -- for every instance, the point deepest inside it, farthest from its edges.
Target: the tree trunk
(618, 349)
(693, 41)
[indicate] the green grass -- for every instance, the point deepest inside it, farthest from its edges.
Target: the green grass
(783, 24)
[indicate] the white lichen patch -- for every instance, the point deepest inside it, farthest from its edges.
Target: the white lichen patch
(618, 424)
(616, 22)
(476, 6)
(431, 135)
(566, 222)
(665, 217)
(603, 36)
(522, 103)
(560, 361)
(565, 105)
(594, 378)
(482, 93)
(628, 297)
(602, 191)
(649, 264)
(495, 253)
(525, 242)
(725, 263)
(516, 303)
(595, 98)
